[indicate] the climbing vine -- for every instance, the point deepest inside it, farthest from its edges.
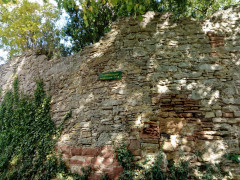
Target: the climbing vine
(28, 137)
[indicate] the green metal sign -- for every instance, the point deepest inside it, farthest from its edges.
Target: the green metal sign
(110, 75)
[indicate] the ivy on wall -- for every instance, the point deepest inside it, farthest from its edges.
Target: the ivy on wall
(28, 137)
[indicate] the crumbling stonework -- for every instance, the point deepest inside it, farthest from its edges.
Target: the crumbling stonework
(180, 84)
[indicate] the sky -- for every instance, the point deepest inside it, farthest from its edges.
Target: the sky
(59, 24)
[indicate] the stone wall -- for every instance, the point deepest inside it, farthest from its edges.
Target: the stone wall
(180, 83)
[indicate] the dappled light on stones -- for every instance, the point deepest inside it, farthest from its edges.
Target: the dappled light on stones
(179, 92)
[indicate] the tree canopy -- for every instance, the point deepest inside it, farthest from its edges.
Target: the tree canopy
(28, 25)
(90, 19)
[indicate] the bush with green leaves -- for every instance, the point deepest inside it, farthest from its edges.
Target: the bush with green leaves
(181, 170)
(28, 137)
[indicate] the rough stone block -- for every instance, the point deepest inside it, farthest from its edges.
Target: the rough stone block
(236, 113)
(148, 146)
(134, 144)
(218, 113)
(168, 147)
(209, 115)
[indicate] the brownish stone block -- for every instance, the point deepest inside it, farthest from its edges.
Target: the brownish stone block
(186, 115)
(150, 132)
(134, 144)
(163, 114)
(228, 115)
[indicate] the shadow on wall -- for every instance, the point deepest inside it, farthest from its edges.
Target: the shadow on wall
(180, 83)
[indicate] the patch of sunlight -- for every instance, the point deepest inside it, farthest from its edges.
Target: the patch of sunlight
(14, 160)
(214, 151)
(89, 98)
(119, 137)
(65, 138)
(215, 95)
(138, 121)
(162, 89)
(146, 19)
(174, 140)
(191, 86)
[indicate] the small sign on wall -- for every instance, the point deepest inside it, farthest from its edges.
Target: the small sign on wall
(110, 75)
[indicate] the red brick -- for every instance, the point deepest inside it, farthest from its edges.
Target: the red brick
(115, 163)
(117, 171)
(90, 152)
(76, 151)
(114, 172)
(94, 176)
(75, 161)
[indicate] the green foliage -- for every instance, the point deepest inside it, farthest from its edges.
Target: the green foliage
(105, 177)
(90, 19)
(181, 170)
(28, 25)
(68, 115)
(27, 137)
(124, 156)
(233, 157)
(155, 171)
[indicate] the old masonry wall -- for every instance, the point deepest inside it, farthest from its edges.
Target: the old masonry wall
(180, 82)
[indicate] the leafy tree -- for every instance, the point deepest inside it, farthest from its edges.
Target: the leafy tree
(28, 136)
(90, 19)
(27, 25)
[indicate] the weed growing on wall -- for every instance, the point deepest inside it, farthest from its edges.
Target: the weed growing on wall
(233, 157)
(27, 137)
